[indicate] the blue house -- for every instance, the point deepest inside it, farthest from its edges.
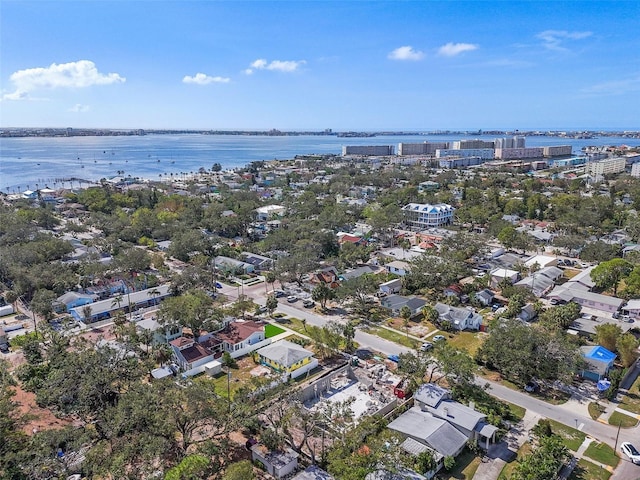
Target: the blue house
(598, 361)
(69, 300)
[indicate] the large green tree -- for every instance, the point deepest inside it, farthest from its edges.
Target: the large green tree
(608, 274)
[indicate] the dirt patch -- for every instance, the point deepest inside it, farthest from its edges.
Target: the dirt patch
(39, 418)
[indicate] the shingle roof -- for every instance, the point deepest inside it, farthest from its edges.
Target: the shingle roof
(434, 432)
(284, 352)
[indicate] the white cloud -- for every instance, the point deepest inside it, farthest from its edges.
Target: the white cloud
(79, 108)
(286, 66)
(452, 49)
(80, 74)
(406, 53)
(553, 39)
(614, 87)
(203, 79)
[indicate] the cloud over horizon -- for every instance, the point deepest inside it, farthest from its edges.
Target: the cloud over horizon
(204, 79)
(80, 108)
(80, 74)
(553, 39)
(452, 49)
(406, 52)
(286, 66)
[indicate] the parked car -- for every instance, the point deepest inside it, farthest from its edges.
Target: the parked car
(292, 299)
(426, 346)
(439, 338)
(262, 309)
(279, 293)
(394, 358)
(630, 451)
(218, 285)
(532, 387)
(308, 304)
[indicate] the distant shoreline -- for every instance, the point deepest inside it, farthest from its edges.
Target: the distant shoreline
(100, 132)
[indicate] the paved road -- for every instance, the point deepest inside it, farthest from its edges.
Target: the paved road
(560, 413)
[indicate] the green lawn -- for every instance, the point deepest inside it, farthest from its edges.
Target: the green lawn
(571, 437)
(625, 421)
(631, 401)
(469, 341)
(393, 337)
(595, 410)
(516, 410)
(602, 453)
(586, 470)
(465, 469)
(271, 330)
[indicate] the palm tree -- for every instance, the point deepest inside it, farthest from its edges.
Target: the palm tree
(155, 293)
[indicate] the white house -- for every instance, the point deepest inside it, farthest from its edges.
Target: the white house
(461, 318)
(398, 267)
(390, 287)
(269, 212)
(499, 274)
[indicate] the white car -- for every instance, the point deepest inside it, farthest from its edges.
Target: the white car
(631, 452)
(439, 338)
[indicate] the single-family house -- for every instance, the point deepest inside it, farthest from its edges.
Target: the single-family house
(232, 265)
(398, 267)
(541, 281)
(441, 425)
(241, 337)
(328, 276)
(598, 361)
(277, 463)
(485, 297)
(349, 238)
(192, 356)
(396, 302)
(359, 271)
(161, 334)
(69, 300)
(259, 262)
(497, 275)
(391, 287)
(287, 357)
(527, 313)
(460, 318)
(542, 261)
(269, 212)
(632, 308)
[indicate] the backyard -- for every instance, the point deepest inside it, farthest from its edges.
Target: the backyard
(466, 465)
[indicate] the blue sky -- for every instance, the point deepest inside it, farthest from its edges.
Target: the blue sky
(315, 65)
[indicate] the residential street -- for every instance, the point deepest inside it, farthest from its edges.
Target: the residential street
(573, 413)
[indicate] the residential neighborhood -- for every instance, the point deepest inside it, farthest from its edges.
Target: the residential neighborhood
(349, 317)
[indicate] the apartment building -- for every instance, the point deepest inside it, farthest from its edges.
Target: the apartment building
(425, 148)
(518, 153)
(607, 166)
(557, 151)
(484, 153)
(420, 216)
(472, 144)
(509, 142)
(367, 150)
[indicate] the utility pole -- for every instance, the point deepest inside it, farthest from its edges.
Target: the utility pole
(615, 448)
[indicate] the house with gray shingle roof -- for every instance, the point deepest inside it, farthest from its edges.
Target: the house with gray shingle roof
(461, 318)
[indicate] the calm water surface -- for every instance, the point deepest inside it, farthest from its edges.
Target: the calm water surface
(38, 162)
